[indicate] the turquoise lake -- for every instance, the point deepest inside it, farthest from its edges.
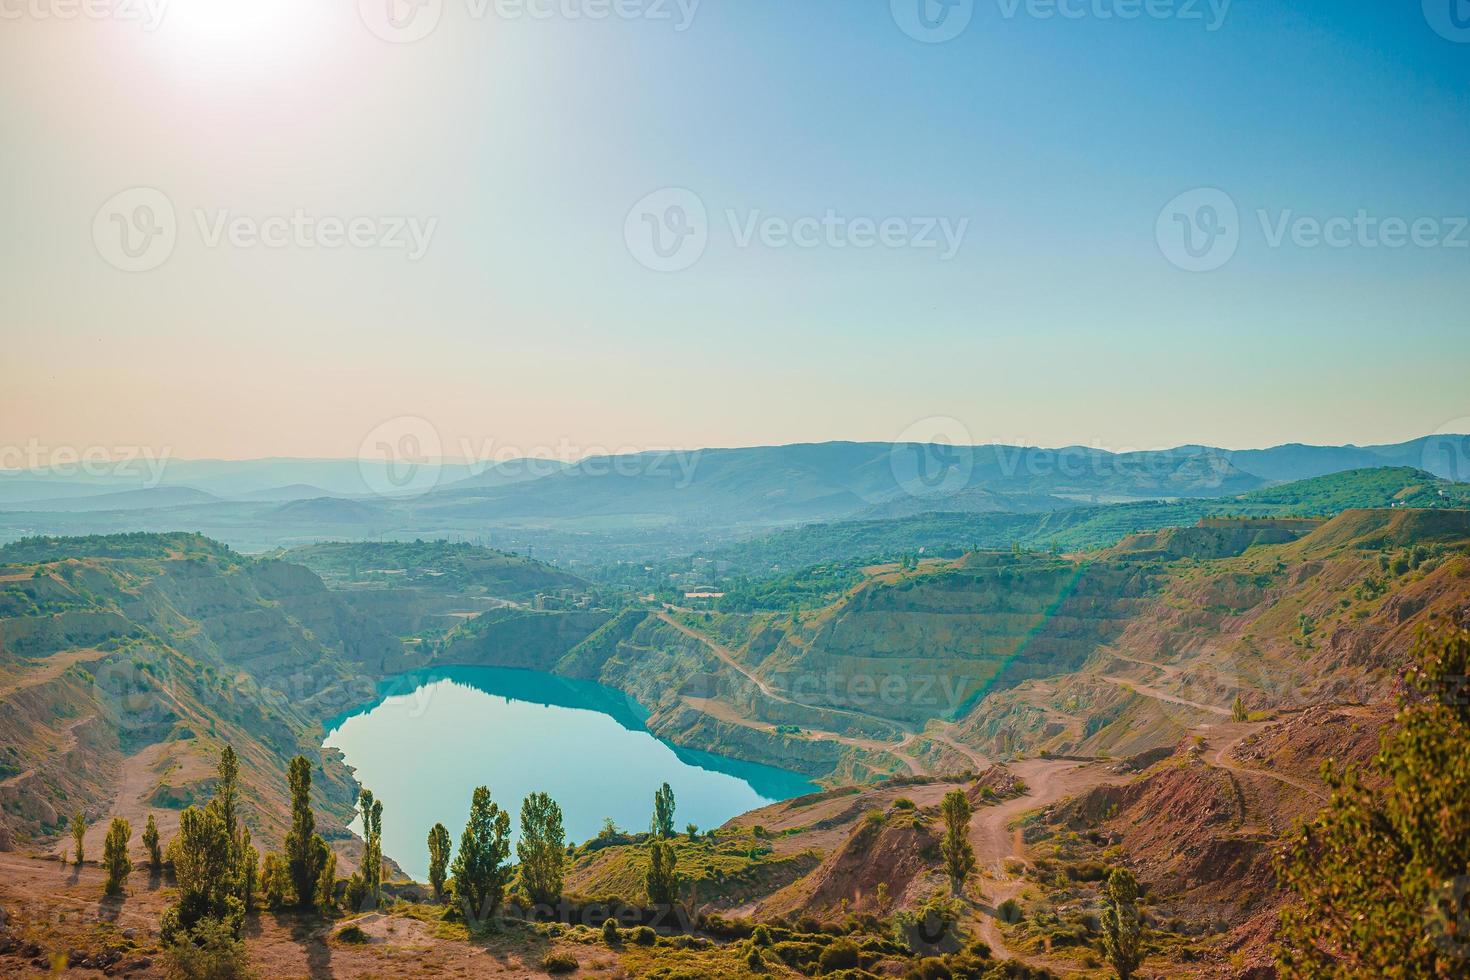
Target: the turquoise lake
(433, 736)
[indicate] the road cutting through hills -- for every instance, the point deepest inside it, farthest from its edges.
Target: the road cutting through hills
(727, 657)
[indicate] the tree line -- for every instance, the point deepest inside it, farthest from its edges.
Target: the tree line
(222, 877)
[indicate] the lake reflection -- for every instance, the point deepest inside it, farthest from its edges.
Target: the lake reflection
(435, 735)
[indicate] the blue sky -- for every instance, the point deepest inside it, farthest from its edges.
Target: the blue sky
(529, 319)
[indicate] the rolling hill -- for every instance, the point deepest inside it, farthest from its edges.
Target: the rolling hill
(944, 533)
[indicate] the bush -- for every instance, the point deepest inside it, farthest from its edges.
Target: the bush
(644, 936)
(610, 933)
(1010, 911)
(559, 963)
(797, 954)
(932, 926)
(352, 934)
(209, 951)
(753, 959)
(840, 955)
(761, 936)
(929, 968)
(1087, 871)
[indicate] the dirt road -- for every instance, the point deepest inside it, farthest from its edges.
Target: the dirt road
(727, 713)
(1047, 781)
(1223, 739)
(1158, 695)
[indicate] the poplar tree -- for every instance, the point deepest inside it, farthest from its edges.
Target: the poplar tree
(372, 851)
(662, 880)
(203, 873)
(480, 869)
(78, 833)
(663, 812)
(306, 851)
(150, 841)
(1122, 923)
(438, 858)
(542, 849)
(115, 860)
(959, 856)
(326, 886)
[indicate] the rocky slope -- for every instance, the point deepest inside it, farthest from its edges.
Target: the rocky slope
(125, 670)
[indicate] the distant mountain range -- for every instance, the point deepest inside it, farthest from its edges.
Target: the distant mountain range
(652, 503)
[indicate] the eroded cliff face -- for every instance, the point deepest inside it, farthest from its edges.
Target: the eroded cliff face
(123, 677)
(1327, 619)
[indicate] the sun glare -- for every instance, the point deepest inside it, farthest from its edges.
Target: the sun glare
(238, 36)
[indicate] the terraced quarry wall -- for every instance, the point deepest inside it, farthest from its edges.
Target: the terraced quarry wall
(123, 677)
(914, 647)
(1327, 618)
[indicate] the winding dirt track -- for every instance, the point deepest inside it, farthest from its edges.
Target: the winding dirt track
(1047, 781)
(1220, 757)
(1158, 695)
(932, 733)
(1221, 752)
(728, 713)
(716, 708)
(727, 656)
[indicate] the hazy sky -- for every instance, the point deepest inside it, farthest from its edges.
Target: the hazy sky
(528, 312)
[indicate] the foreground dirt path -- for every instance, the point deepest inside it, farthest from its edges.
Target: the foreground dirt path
(1047, 781)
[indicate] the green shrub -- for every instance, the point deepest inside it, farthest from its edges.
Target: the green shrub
(1010, 911)
(1087, 871)
(610, 934)
(209, 951)
(797, 954)
(753, 959)
(559, 962)
(644, 936)
(840, 955)
(929, 968)
(934, 925)
(352, 934)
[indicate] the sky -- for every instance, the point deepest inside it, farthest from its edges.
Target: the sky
(270, 228)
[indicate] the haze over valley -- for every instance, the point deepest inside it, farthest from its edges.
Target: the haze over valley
(698, 490)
